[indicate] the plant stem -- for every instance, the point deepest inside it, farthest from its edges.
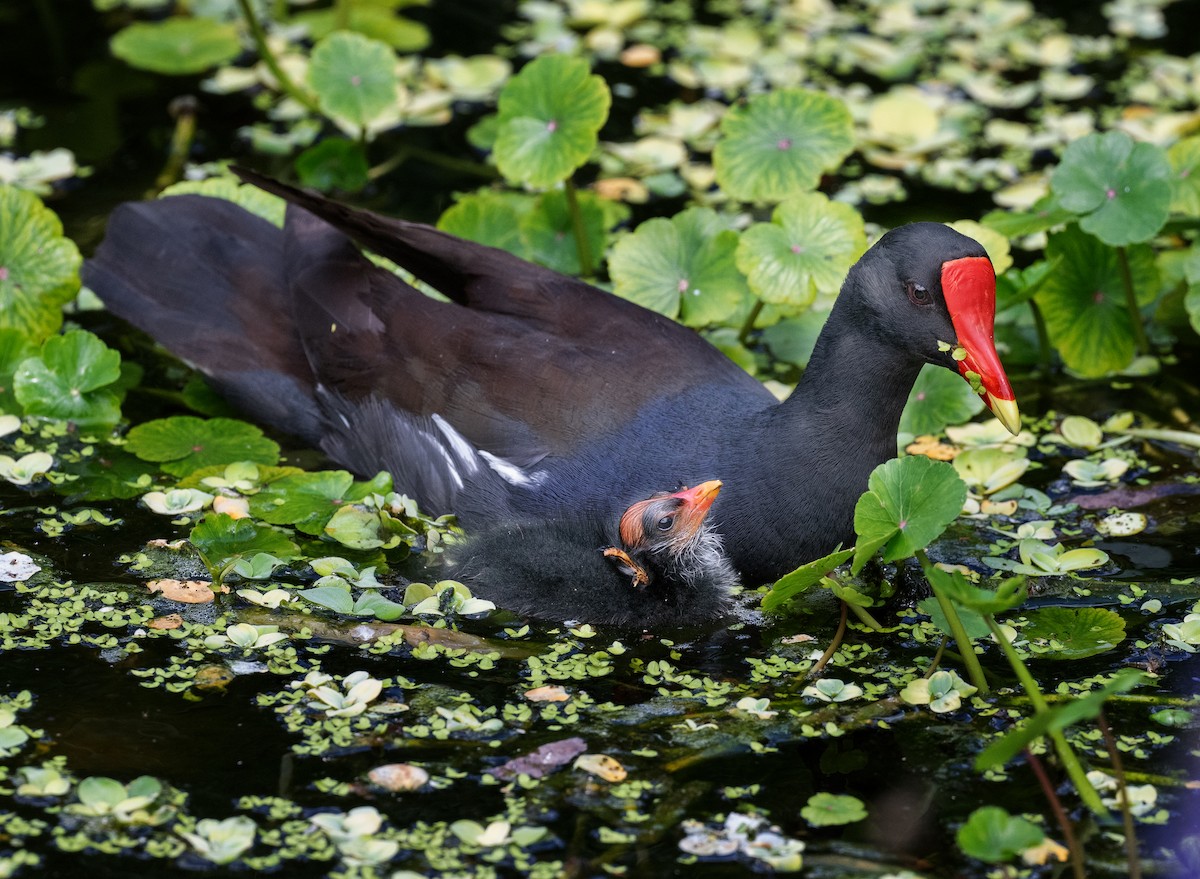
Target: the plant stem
(864, 617)
(969, 659)
(408, 151)
(1062, 747)
(264, 51)
(1131, 303)
(1060, 814)
(1131, 843)
(937, 659)
(184, 110)
(1044, 348)
(748, 326)
(833, 646)
(582, 246)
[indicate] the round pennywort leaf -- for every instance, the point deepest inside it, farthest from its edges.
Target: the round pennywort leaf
(183, 444)
(682, 265)
(1121, 188)
(39, 268)
(829, 810)
(549, 117)
(779, 144)
(805, 250)
(69, 380)
(994, 836)
(1073, 632)
(354, 77)
(1083, 301)
(938, 398)
(913, 499)
(178, 46)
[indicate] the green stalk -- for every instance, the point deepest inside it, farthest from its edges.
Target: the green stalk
(1131, 843)
(864, 617)
(969, 659)
(1066, 754)
(937, 660)
(264, 51)
(582, 247)
(1131, 303)
(1060, 814)
(341, 15)
(748, 325)
(1044, 346)
(184, 111)
(442, 160)
(834, 644)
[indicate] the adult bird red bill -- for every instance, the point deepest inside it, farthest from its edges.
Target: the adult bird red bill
(526, 395)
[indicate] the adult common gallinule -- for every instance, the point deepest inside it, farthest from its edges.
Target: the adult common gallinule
(661, 564)
(531, 396)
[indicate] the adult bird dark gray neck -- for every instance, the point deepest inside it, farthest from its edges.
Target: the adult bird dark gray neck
(920, 292)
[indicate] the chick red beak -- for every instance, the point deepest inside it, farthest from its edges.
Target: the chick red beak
(969, 288)
(696, 503)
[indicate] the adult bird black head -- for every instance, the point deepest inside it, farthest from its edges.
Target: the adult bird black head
(524, 395)
(660, 564)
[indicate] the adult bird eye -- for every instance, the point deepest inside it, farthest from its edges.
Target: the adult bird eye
(917, 294)
(665, 523)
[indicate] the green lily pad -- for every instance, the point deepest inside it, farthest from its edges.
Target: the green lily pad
(550, 234)
(684, 265)
(184, 443)
(549, 117)
(1121, 188)
(792, 339)
(1184, 157)
(15, 346)
(71, 380)
(938, 398)
(994, 836)
(354, 77)
(334, 163)
(1073, 633)
(778, 144)
(178, 46)
(1046, 214)
(310, 500)
(805, 250)
(491, 218)
(908, 503)
(831, 810)
(1083, 301)
(376, 19)
(221, 540)
(39, 268)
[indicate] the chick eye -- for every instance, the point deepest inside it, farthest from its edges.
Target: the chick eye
(917, 294)
(665, 523)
